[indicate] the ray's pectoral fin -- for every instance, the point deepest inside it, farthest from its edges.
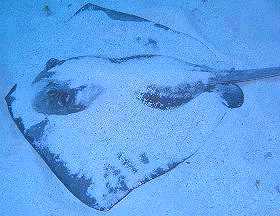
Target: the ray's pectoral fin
(231, 94)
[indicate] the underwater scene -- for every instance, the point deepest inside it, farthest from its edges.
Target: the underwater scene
(140, 107)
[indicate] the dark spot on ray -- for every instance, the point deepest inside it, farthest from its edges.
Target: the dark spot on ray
(35, 132)
(116, 172)
(121, 186)
(152, 43)
(145, 180)
(144, 158)
(127, 163)
(115, 15)
(168, 97)
(110, 189)
(163, 102)
(59, 99)
(158, 172)
(111, 170)
(172, 165)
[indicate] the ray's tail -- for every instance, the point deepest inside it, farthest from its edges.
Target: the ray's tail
(237, 76)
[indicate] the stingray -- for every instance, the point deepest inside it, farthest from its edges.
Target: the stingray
(114, 33)
(106, 126)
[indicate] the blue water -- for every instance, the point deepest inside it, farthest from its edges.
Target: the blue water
(235, 170)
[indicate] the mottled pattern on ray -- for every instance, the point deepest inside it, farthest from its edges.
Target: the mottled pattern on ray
(152, 114)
